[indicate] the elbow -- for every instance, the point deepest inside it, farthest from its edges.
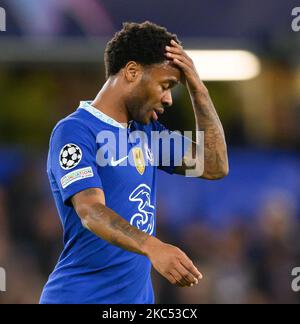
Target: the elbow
(216, 167)
(82, 210)
(224, 171)
(218, 174)
(89, 215)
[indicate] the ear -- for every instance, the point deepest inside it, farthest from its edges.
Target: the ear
(132, 71)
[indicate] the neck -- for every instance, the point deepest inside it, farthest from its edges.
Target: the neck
(110, 101)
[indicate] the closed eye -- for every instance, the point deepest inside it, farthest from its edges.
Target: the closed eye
(169, 84)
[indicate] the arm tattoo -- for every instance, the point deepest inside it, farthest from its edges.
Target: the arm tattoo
(215, 151)
(125, 228)
(116, 230)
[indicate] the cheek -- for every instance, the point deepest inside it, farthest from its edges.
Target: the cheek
(155, 95)
(135, 98)
(146, 97)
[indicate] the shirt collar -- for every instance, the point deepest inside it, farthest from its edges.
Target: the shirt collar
(86, 105)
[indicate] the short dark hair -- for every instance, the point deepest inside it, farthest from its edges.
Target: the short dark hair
(143, 43)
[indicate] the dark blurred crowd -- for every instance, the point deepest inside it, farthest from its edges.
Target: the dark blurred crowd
(247, 261)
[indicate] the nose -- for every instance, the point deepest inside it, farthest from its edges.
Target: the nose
(167, 99)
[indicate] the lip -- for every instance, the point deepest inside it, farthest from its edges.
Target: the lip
(160, 111)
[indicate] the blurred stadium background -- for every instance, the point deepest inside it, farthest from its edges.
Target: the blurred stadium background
(242, 231)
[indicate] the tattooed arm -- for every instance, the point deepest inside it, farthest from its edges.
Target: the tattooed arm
(168, 260)
(215, 163)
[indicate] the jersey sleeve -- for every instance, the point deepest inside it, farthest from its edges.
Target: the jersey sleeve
(73, 164)
(172, 146)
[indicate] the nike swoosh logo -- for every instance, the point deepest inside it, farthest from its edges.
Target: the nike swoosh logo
(117, 162)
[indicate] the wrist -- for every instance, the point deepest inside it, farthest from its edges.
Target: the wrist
(149, 245)
(199, 92)
(200, 98)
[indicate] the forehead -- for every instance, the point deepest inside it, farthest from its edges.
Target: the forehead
(165, 71)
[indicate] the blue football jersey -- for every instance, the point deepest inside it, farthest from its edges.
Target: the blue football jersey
(91, 270)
